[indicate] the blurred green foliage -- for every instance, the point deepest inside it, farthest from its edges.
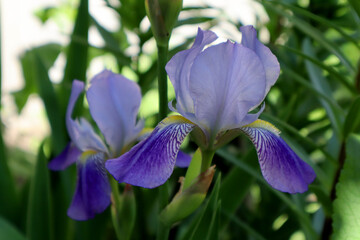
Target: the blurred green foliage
(315, 103)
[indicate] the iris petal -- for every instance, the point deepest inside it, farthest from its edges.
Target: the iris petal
(279, 164)
(81, 132)
(150, 163)
(70, 154)
(92, 193)
(178, 69)
(269, 61)
(114, 102)
(226, 81)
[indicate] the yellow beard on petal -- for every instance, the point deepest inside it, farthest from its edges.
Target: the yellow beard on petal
(265, 125)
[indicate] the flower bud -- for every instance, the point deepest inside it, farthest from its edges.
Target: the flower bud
(163, 15)
(187, 201)
(124, 214)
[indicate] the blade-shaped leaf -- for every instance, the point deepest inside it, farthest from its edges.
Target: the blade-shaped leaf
(346, 222)
(352, 121)
(311, 31)
(356, 5)
(336, 116)
(329, 69)
(48, 53)
(8, 231)
(322, 20)
(304, 220)
(206, 217)
(236, 185)
(39, 222)
(77, 53)
(48, 96)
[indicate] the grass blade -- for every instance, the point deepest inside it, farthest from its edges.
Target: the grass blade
(303, 218)
(336, 115)
(77, 54)
(8, 231)
(39, 225)
(309, 30)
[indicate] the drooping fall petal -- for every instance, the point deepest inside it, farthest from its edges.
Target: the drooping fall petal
(92, 194)
(279, 164)
(150, 163)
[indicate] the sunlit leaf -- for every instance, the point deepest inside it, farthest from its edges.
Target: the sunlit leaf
(346, 222)
(336, 115)
(311, 31)
(352, 120)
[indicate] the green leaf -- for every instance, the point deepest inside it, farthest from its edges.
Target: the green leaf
(346, 222)
(8, 231)
(322, 20)
(206, 217)
(329, 69)
(352, 120)
(8, 196)
(236, 185)
(48, 54)
(48, 96)
(356, 5)
(304, 219)
(39, 222)
(112, 44)
(311, 31)
(336, 115)
(77, 54)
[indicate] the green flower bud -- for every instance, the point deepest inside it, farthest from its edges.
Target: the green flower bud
(188, 200)
(163, 15)
(124, 213)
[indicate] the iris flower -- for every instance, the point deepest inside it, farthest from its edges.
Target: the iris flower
(216, 88)
(113, 102)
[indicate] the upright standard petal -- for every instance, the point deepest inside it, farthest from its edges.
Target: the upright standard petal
(92, 195)
(268, 59)
(226, 81)
(280, 166)
(81, 132)
(114, 102)
(150, 163)
(70, 154)
(178, 69)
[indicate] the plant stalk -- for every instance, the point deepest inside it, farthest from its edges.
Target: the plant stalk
(162, 81)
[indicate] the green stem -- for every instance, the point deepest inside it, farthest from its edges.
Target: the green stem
(116, 205)
(162, 81)
(163, 230)
(206, 159)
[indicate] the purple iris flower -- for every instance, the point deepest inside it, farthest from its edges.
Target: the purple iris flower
(216, 88)
(114, 103)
